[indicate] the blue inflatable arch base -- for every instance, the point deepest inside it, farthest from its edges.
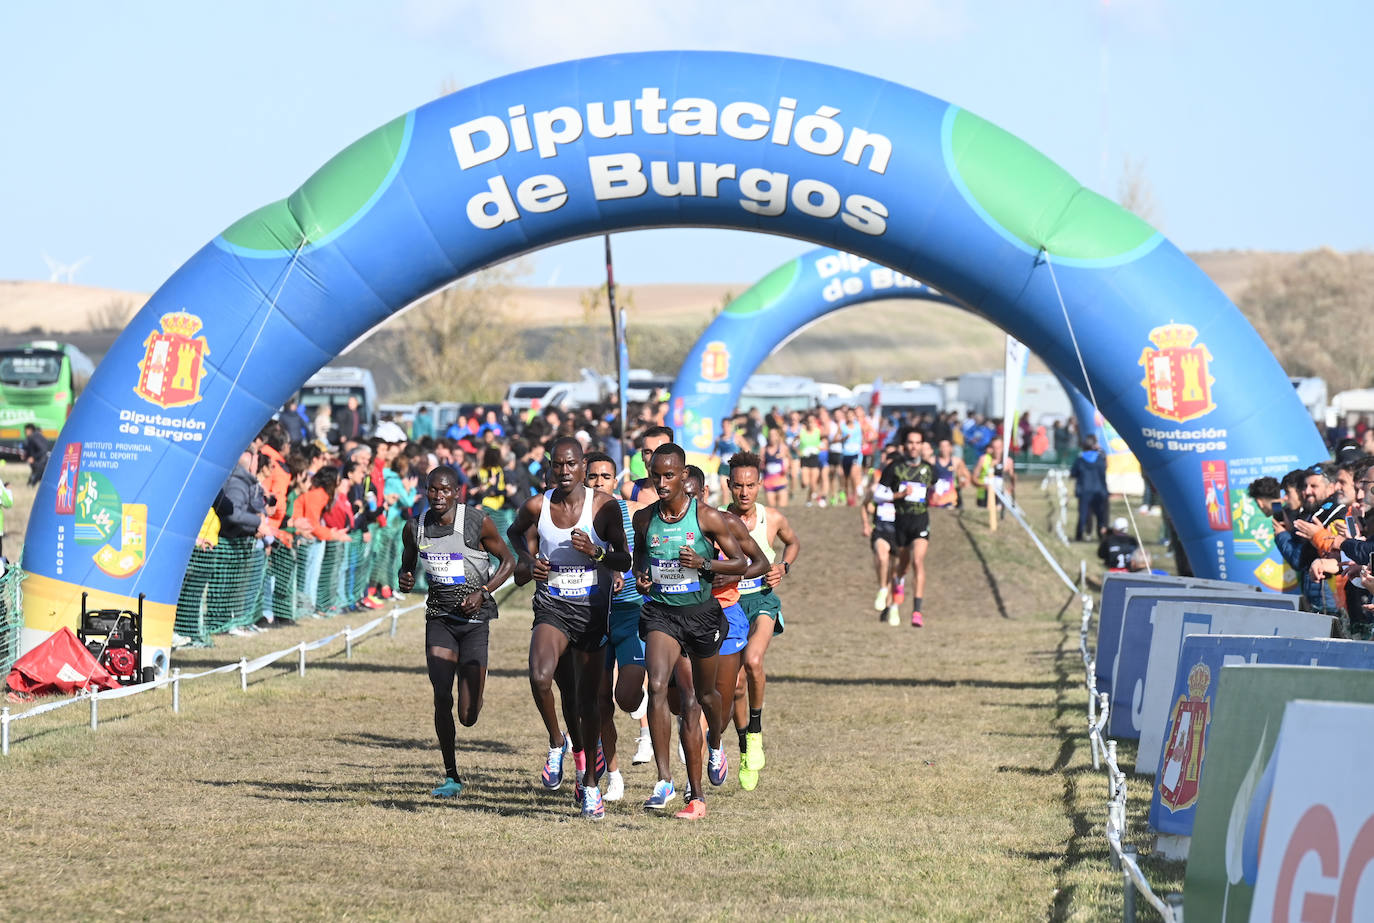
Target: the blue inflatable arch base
(638, 141)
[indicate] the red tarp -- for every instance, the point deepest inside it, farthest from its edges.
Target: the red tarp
(59, 664)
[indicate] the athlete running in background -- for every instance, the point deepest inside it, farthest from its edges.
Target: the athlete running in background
(879, 515)
(578, 545)
(639, 493)
(625, 652)
(776, 461)
(909, 477)
(759, 600)
(852, 434)
(455, 545)
(809, 447)
(674, 538)
(951, 476)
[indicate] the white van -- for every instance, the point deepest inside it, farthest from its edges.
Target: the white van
(334, 386)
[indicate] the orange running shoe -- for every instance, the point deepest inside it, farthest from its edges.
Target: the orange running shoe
(695, 809)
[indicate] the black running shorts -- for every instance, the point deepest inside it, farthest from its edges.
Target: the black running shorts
(587, 627)
(466, 639)
(699, 630)
(911, 526)
(884, 531)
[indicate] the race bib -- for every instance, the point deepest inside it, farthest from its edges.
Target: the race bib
(943, 486)
(915, 491)
(671, 577)
(887, 512)
(571, 581)
(773, 467)
(751, 585)
(444, 568)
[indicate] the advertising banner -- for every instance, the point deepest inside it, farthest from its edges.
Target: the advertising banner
(1112, 607)
(1193, 708)
(1233, 798)
(1173, 622)
(1133, 646)
(1318, 839)
(925, 189)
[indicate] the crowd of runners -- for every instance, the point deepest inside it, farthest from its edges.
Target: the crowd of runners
(657, 585)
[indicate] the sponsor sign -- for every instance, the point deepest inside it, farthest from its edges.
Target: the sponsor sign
(1173, 815)
(1318, 839)
(1216, 495)
(1175, 621)
(173, 362)
(1113, 604)
(1137, 632)
(1223, 863)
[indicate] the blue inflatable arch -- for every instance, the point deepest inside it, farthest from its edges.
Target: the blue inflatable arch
(772, 311)
(639, 141)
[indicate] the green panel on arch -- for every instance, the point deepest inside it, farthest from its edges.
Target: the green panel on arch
(1034, 199)
(328, 200)
(765, 293)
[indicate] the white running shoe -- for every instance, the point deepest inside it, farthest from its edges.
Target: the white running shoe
(880, 601)
(894, 615)
(643, 708)
(615, 786)
(644, 750)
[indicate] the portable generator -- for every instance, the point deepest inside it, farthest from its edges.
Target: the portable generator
(115, 638)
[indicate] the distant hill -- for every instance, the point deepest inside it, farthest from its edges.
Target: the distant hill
(891, 339)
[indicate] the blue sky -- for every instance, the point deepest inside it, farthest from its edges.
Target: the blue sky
(136, 131)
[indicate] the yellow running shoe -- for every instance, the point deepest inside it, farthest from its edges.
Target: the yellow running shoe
(880, 601)
(894, 615)
(748, 778)
(753, 758)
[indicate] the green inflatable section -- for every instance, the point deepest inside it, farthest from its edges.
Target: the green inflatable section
(332, 197)
(1033, 199)
(767, 291)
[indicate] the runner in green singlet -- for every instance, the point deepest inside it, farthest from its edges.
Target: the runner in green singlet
(674, 541)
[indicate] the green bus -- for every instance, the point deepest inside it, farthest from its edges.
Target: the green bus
(39, 382)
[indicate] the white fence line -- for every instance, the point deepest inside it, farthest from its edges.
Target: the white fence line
(244, 667)
(1103, 748)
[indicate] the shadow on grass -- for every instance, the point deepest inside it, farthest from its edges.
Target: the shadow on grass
(503, 793)
(383, 742)
(987, 571)
(915, 681)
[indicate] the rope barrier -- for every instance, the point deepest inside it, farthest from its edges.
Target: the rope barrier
(243, 667)
(1123, 856)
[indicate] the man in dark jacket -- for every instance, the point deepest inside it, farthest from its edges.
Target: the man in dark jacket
(241, 502)
(1090, 474)
(36, 450)
(291, 419)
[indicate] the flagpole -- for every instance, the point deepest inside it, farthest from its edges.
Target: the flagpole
(621, 352)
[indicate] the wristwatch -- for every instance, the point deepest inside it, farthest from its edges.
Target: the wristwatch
(486, 591)
(786, 567)
(599, 554)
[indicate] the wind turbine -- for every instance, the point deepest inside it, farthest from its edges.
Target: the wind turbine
(57, 270)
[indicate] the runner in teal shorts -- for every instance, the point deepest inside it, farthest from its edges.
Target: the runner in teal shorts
(759, 599)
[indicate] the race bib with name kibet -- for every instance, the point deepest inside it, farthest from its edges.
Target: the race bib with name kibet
(571, 581)
(444, 568)
(670, 576)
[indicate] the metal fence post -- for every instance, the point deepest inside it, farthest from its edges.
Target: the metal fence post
(300, 669)
(95, 712)
(176, 691)
(243, 673)
(348, 642)
(395, 617)
(1127, 886)
(5, 731)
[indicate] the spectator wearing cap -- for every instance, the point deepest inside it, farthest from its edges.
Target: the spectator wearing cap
(1119, 550)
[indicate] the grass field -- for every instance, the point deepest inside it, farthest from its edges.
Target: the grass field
(938, 774)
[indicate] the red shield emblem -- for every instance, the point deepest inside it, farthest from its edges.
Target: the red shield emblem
(715, 362)
(173, 362)
(1178, 783)
(1177, 383)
